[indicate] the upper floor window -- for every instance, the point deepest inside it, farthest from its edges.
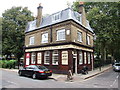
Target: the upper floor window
(31, 42)
(79, 35)
(88, 40)
(61, 35)
(56, 17)
(44, 38)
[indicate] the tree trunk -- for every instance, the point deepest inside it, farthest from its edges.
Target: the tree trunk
(18, 62)
(104, 54)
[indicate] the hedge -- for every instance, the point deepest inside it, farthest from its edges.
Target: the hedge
(8, 63)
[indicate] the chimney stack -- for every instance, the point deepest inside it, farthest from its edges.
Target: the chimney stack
(39, 15)
(82, 11)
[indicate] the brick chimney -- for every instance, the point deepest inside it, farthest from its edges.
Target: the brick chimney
(39, 15)
(82, 11)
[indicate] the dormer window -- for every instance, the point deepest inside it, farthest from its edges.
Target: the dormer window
(56, 17)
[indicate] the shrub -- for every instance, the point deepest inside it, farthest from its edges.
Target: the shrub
(8, 63)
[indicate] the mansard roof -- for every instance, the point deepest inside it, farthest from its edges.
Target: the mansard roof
(58, 17)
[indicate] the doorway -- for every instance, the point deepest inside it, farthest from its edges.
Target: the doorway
(74, 65)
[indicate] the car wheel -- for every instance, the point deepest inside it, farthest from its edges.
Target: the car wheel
(20, 73)
(34, 76)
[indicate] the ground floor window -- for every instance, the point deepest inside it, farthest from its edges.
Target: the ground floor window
(64, 57)
(33, 58)
(85, 59)
(39, 58)
(80, 57)
(55, 57)
(27, 58)
(88, 57)
(47, 57)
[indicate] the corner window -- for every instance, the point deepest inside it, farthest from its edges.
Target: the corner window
(47, 57)
(80, 58)
(79, 35)
(44, 38)
(33, 58)
(31, 40)
(61, 35)
(55, 58)
(88, 40)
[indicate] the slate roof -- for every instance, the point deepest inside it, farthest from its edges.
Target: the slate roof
(66, 14)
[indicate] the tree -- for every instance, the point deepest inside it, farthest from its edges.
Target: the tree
(104, 19)
(0, 36)
(13, 28)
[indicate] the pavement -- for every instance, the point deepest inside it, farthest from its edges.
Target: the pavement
(76, 77)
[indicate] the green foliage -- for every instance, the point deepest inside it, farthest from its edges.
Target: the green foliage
(0, 35)
(13, 27)
(8, 63)
(105, 20)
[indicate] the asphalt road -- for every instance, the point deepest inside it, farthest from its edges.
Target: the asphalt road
(108, 79)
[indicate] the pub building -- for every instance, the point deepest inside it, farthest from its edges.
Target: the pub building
(61, 41)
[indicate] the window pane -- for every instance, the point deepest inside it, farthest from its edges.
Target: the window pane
(85, 60)
(80, 58)
(45, 38)
(56, 17)
(31, 41)
(39, 56)
(64, 57)
(88, 40)
(88, 58)
(79, 36)
(33, 58)
(47, 57)
(55, 58)
(61, 34)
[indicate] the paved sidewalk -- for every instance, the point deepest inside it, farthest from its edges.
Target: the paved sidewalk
(76, 77)
(80, 77)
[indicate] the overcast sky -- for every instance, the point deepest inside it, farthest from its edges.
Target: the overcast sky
(49, 6)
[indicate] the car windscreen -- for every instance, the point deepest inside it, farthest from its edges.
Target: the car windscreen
(42, 67)
(117, 64)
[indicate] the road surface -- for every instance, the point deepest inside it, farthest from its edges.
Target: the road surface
(108, 79)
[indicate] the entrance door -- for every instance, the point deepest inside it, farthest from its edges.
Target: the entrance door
(74, 65)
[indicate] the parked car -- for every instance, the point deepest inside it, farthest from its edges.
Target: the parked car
(35, 71)
(116, 67)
